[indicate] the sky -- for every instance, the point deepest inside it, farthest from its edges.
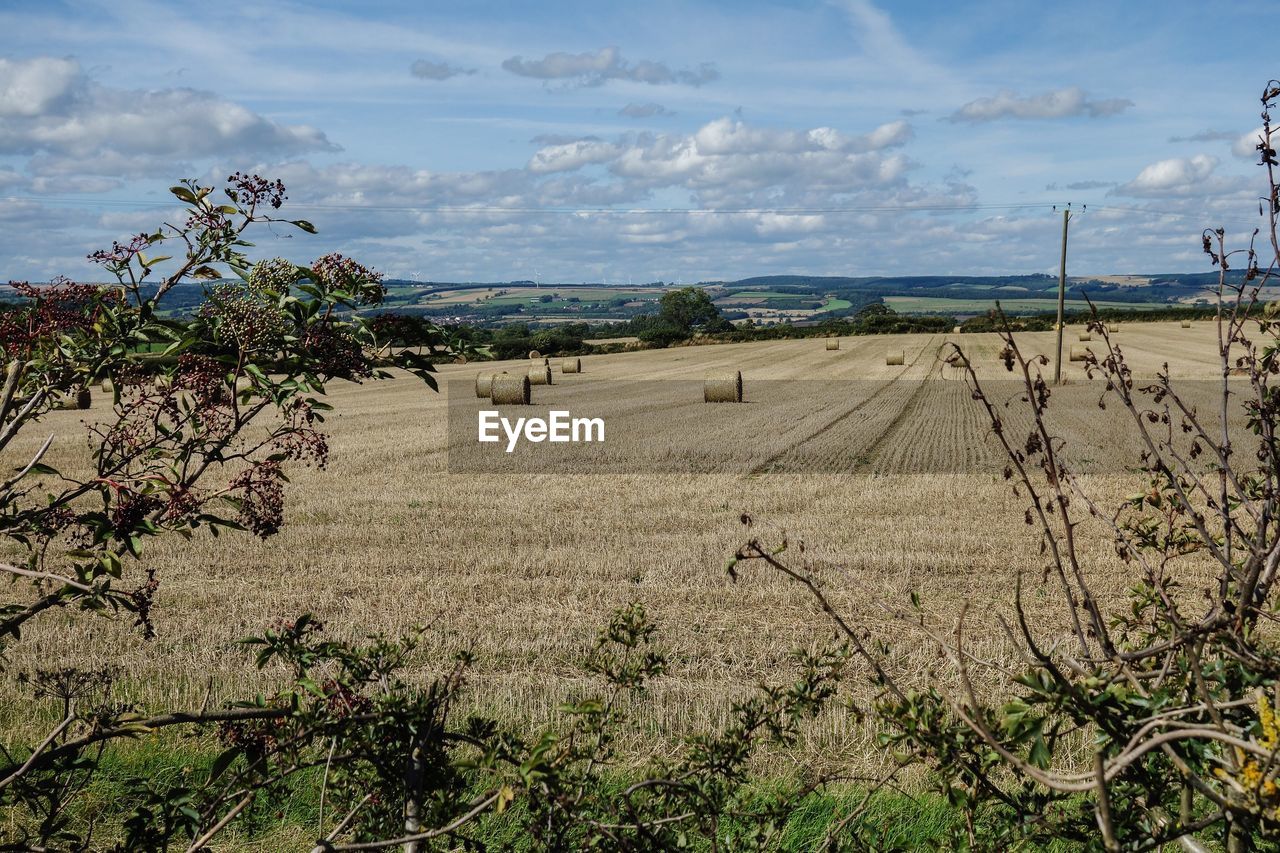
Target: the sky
(674, 141)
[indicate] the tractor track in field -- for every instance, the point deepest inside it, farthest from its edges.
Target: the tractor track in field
(900, 418)
(768, 464)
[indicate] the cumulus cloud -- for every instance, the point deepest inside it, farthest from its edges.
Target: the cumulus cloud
(1173, 177)
(1247, 145)
(571, 156)
(53, 111)
(728, 162)
(598, 67)
(644, 110)
(426, 70)
(33, 87)
(1058, 103)
(725, 163)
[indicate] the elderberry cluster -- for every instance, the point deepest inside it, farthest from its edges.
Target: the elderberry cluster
(243, 320)
(261, 489)
(253, 190)
(338, 272)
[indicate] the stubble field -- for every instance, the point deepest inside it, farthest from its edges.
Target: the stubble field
(890, 479)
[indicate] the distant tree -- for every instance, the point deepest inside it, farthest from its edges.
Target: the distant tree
(689, 309)
(875, 309)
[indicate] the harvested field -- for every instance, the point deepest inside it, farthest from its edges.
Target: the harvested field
(887, 473)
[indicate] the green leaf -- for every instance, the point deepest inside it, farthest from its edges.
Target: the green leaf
(222, 762)
(1039, 755)
(184, 194)
(305, 225)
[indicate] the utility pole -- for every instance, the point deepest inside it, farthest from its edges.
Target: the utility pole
(1062, 295)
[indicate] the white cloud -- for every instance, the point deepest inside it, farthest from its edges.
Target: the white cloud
(571, 156)
(52, 109)
(1176, 176)
(595, 68)
(1247, 145)
(426, 70)
(1058, 103)
(33, 87)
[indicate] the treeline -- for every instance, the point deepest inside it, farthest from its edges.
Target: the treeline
(688, 316)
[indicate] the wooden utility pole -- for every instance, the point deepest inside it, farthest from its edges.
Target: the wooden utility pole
(1062, 296)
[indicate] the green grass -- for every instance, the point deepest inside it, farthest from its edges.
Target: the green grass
(901, 822)
(836, 305)
(942, 305)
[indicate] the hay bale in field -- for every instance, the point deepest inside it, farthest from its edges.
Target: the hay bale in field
(1085, 336)
(833, 343)
(1079, 353)
(958, 359)
(1186, 324)
(571, 365)
(484, 383)
(956, 330)
(540, 374)
(723, 388)
(533, 353)
(1113, 328)
(895, 356)
(509, 390)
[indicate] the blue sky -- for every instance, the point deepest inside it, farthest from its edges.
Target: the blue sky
(681, 141)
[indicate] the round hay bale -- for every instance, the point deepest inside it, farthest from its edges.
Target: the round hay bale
(1085, 336)
(571, 365)
(508, 390)
(540, 374)
(833, 343)
(1186, 324)
(956, 330)
(484, 384)
(895, 356)
(1113, 328)
(83, 399)
(533, 353)
(1079, 353)
(957, 359)
(723, 388)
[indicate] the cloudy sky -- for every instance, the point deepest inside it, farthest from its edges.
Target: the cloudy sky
(590, 141)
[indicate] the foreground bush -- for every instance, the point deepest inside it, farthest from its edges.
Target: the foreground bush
(1154, 722)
